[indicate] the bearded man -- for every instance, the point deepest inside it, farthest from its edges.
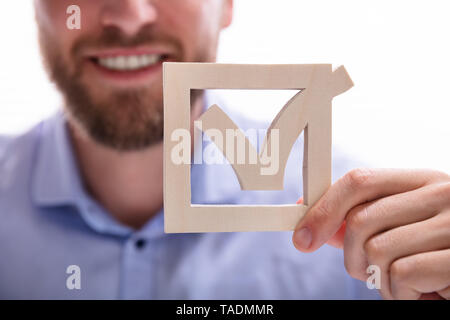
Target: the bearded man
(81, 194)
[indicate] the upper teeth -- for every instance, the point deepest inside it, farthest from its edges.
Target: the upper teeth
(129, 62)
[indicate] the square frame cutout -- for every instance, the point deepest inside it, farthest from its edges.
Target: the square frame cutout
(319, 84)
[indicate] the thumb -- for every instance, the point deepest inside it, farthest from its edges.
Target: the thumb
(337, 240)
(320, 226)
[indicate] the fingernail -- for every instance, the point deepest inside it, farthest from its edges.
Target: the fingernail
(303, 238)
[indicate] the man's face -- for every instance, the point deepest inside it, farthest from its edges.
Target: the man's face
(110, 70)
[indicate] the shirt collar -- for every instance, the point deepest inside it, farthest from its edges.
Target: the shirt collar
(57, 181)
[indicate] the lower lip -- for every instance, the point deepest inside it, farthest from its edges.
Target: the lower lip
(128, 77)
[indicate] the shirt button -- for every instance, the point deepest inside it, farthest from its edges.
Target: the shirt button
(140, 244)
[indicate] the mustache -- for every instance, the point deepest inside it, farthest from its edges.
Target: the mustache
(114, 37)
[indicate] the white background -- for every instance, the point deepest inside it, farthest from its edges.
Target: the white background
(396, 51)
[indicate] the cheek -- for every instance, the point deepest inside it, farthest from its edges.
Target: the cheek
(195, 26)
(56, 24)
(53, 17)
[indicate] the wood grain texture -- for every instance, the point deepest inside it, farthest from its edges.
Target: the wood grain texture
(308, 111)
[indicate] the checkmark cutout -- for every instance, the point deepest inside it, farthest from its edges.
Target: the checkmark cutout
(308, 111)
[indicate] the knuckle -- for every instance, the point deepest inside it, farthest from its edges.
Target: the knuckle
(442, 190)
(357, 219)
(401, 270)
(375, 248)
(356, 178)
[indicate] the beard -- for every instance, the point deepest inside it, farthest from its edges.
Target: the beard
(122, 119)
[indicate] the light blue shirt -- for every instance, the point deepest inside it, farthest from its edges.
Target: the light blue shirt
(49, 222)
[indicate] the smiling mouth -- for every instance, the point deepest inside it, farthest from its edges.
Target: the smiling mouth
(128, 63)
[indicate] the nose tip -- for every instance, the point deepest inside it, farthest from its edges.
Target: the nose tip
(129, 15)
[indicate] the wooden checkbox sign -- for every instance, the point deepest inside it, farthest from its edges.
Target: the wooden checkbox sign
(308, 111)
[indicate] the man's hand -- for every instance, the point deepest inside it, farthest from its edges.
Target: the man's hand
(396, 219)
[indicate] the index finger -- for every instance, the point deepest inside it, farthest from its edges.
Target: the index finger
(358, 186)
